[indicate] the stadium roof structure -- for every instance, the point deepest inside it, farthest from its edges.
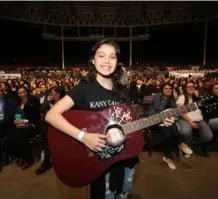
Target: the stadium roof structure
(108, 14)
(118, 20)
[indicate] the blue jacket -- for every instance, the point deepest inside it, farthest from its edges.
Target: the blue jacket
(159, 104)
(9, 108)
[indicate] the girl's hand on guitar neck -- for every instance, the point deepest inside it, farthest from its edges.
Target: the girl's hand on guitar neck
(94, 141)
(168, 122)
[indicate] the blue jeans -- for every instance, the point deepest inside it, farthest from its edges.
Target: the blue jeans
(213, 123)
(204, 130)
(127, 186)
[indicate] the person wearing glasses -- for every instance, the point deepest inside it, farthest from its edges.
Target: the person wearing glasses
(193, 121)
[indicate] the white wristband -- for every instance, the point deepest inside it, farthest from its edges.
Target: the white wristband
(80, 136)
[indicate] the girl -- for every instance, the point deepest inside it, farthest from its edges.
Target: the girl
(102, 85)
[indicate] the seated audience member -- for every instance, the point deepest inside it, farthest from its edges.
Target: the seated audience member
(26, 121)
(176, 92)
(7, 111)
(43, 93)
(55, 95)
(205, 89)
(157, 86)
(194, 119)
(8, 93)
(149, 89)
(137, 92)
(161, 102)
(213, 116)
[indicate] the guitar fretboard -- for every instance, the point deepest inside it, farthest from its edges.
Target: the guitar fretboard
(157, 118)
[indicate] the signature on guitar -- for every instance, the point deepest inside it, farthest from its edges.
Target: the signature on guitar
(118, 114)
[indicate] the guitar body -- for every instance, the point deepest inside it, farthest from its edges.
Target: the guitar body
(74, 164)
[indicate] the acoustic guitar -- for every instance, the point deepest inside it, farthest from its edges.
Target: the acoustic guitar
(77, 166)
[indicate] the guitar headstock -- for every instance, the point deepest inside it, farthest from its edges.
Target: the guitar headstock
(208, 103)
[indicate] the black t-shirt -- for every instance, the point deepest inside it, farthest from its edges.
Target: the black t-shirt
(93, 97)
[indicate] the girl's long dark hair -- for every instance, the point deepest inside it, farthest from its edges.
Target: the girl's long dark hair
(118, 73)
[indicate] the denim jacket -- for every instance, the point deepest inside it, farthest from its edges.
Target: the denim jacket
(159, 104)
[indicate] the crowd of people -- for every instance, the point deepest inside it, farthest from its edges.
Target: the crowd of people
(25, 102)
(43, 92)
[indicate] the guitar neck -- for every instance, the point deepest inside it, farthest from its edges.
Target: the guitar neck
(145, 122)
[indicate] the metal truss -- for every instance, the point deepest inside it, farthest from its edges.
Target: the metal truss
(108, 14)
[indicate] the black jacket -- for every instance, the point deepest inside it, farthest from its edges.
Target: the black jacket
(32, 110)
(210, 112)
(136, 95)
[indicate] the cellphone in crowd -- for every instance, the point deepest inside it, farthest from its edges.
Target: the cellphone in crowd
(18, 116)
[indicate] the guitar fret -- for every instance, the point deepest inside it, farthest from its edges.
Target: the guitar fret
(174, 113)
(178, 112)
(129, 127)
(150, 121)
(133, 126)
(160, 118)
(136, 126)
(163, 115)
(125, 129)
(168, 114)
(145, 121)
(157, 119)
(141, 123)
(153, 119)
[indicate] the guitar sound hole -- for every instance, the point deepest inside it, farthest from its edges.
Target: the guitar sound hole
(115, 135)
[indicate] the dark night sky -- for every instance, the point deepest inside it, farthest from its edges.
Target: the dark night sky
(22, 43)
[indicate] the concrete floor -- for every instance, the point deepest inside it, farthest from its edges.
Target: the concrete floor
(194, 178)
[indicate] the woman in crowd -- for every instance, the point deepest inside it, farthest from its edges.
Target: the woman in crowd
(26, 121)
(157, 86)
(193, 120)
(162, 101)
(176, 91)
